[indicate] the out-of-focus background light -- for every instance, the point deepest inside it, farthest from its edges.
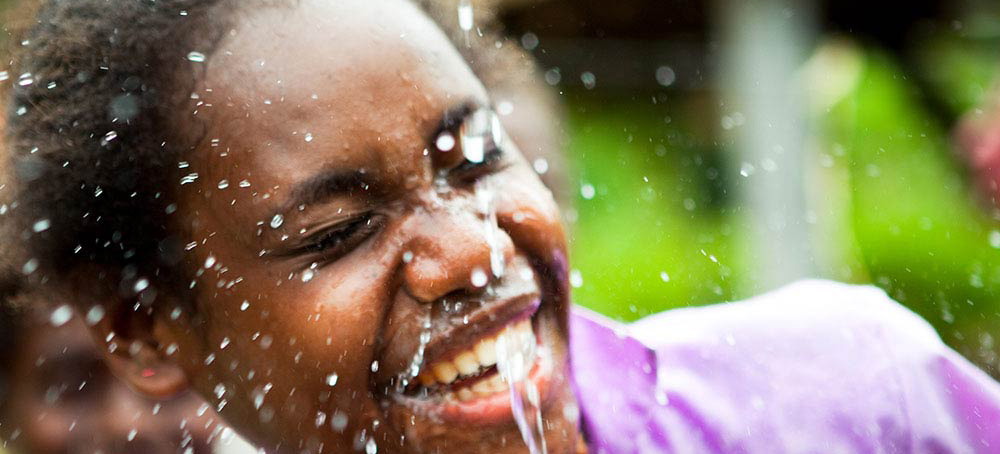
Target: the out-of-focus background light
(720, 149)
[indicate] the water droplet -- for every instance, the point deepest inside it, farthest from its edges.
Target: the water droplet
(223, 184)
(338, 421)
(30, 266)
(196, 56)
(529, 41)
(4, 75)
(505, 108)
(588, 191)
(309, 137)
(41, 225)
(245, 305)
(995, 239)
(95, 315)
(25, 79)
(109, 137)
(189, 178)
(665, 76)
(224, 343)
(479, 278)
(210, 261)
(60, 315)
(553, 76)
(308, 275)
(576, 278)
(589, 80)
(277, 220)
(445, 142)
(132, 433)
(244, 184)
(331, 380)
(465, 15)
(664, 276)
(370, 446)
(375, 366)
(407, 257)
(541, 166)
(475, 133)
(141, 284)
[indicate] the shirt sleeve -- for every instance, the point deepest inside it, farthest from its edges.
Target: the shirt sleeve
(815, 367)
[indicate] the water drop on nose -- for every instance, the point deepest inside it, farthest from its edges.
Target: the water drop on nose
(479, 278)
(331, 380)
(309, 137)
(407, 257)
(25, 79)
(245, 305)
(277, 220)
(307, 275)
(371, 447)
(223, 184)
(132, 433)
(664, 276)
(196, 56)
(140, 285)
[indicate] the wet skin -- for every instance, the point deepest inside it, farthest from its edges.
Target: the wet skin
(388, 228)
(55, 415)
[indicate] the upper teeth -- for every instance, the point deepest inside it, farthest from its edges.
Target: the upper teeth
(470, 361)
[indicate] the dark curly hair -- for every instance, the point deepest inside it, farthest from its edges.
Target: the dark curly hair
(93, 124)
(97, 86)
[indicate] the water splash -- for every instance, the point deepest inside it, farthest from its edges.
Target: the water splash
(465, 18)
(417, 362)
(516, 353)
(486, 204)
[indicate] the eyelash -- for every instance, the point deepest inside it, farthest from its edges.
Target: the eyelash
(469, 170)
(340, 239)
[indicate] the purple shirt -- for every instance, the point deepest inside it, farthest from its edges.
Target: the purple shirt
(815, 367)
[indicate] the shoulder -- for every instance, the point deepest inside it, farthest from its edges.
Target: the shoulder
(814, 311)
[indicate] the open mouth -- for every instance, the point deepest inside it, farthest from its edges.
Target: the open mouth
(474, 356)
(474, 372)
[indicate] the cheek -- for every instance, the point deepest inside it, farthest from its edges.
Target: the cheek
(527, 211)
(298, 348)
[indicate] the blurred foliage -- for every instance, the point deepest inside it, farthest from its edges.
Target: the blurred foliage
(894, 204)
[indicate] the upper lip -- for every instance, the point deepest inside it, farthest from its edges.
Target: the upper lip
(451, 330)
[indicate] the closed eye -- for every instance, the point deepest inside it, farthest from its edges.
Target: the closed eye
(468, 169)
(338, 240)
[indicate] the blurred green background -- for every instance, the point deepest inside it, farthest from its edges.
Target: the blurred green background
(658, 222)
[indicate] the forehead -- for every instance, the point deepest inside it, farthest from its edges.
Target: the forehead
(364, 78)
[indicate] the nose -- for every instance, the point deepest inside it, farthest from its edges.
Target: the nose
(454, 251)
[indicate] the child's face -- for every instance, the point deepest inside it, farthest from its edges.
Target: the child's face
(329, 231)
(63, 399)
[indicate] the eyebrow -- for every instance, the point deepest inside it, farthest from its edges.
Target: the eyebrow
(330, 183)
(325, 185)
(454, 116)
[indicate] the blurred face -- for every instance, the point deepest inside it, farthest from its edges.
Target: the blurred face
(363, 232)
(64, 400)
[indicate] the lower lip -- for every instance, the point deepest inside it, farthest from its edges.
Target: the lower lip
(492, 409)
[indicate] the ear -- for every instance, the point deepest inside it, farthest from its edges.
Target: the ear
(137, 347)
